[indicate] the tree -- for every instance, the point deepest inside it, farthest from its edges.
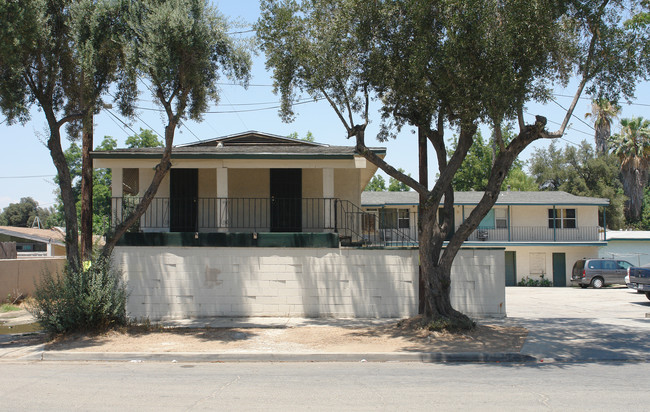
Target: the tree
(146, 138)
(23, 214)
(450, 64)
(180, 48)
(395, 185)
(580, 172)
(632, 147)
(377, 184)
(309, 137)
(59, 56)
(603, 112)
(475, 170)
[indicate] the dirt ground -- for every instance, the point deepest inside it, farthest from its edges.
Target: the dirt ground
(302, 339)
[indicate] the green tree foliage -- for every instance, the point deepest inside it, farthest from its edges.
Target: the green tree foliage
(180, 48)
(452, 64)
(309, 137)
(475, 171)
(395, 185)
(580, 172)
(632, 147)
(23, 213)
(146, 138)
(377, 184)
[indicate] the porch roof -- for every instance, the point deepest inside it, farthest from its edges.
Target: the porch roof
(259, 151)
(555, 198)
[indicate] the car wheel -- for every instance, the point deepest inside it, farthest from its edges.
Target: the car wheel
(597, 283)
(647, 295)
(584, 286)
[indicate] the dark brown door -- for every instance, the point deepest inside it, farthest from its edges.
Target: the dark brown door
(183, 201)
(286, 204)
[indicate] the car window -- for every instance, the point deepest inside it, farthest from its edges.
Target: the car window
(624, 265)
(609, 265)
(595, 264)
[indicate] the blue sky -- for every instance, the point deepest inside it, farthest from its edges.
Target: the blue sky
(26, 168)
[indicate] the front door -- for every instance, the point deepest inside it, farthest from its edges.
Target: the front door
(559, 269)
(183, 200)
(511, 269)
(286, 204)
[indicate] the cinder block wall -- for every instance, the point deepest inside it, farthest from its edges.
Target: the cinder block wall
(478, 278)
(184, 282)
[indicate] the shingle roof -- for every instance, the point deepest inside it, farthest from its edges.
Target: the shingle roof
(38, 235)
(472, 198)
(248, 145)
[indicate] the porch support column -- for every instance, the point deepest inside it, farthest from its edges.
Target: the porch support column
(222, 199)
(116, 194)
(328, 196)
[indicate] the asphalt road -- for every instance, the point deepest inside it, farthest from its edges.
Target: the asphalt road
(323, 386)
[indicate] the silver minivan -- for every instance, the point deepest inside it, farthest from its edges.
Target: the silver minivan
(599, 272)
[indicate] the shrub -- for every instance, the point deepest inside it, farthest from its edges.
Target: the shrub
(543, 282)
(92, 298)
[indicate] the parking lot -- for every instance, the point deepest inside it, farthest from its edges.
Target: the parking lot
(576, 324)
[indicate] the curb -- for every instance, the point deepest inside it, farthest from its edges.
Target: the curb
(422, 357)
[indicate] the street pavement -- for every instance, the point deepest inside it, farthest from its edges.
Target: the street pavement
(565, 325)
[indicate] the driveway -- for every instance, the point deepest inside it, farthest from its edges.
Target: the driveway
(573, 324)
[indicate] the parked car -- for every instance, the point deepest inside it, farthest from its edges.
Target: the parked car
(599, 272)
(638, 278)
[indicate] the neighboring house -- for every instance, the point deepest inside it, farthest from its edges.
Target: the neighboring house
(31, 242)
(259, 224)
(543, 233)
(630, 245)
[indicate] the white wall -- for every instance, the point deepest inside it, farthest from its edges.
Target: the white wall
(637, 252)
(572, 253)
(180, 282)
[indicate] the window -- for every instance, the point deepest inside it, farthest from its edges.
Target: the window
(388, 219)
(131, 182)
(501, 218)
(562, 218)
(403, 221)
(370, 221)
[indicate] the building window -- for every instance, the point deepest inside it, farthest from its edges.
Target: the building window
(501, 218)
(403, 220)
(388, 219)
(131, 182)
(370, 221)
(562, 219)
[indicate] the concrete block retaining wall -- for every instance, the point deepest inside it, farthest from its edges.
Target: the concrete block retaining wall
(192, 282)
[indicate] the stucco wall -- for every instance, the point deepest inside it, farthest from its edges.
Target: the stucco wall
(572, 253)
(179, 282)
(20, 275)
(637, 252)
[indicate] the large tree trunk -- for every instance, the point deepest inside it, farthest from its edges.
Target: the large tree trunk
(437, 279)
(603, 133)
(635, 179)
(87, 188)
(65, 185)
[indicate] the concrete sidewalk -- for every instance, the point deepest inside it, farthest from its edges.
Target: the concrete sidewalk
(564, 324)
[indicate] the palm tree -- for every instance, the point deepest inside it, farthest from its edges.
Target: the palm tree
(603, 111)
(632, 146)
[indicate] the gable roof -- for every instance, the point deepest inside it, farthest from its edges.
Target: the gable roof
(37, 235)
(251, 137)
(248, 145)
(554, 198)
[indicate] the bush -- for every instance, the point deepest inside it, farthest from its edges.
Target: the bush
(92, 298)
(543, 282)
